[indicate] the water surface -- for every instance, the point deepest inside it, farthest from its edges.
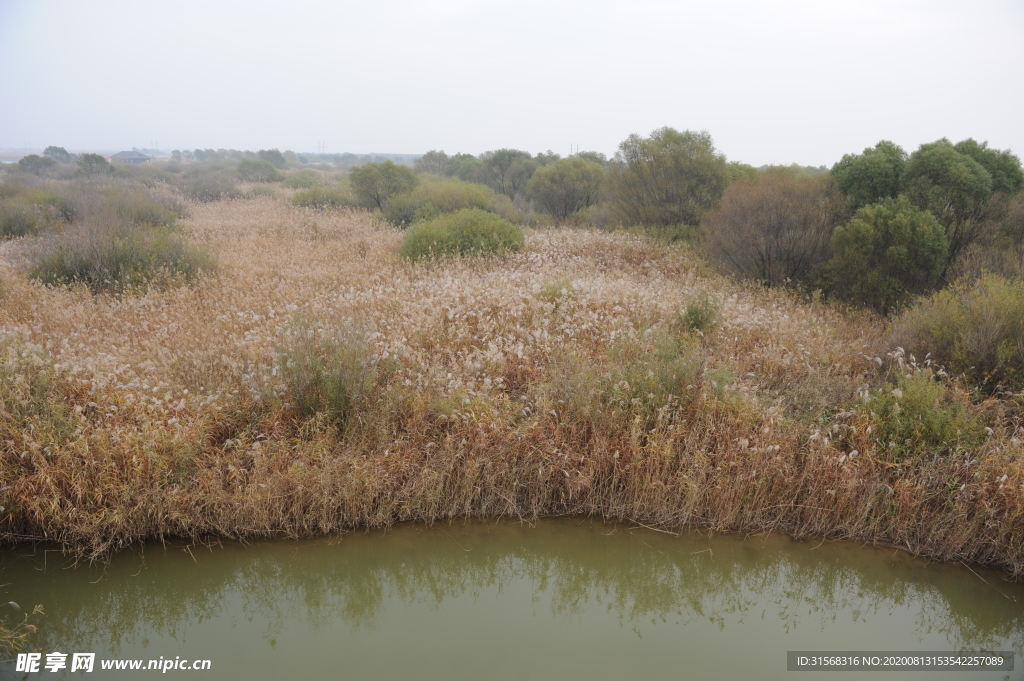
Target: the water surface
(564, 599)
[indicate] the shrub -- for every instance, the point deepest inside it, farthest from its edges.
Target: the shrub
(975, 329)
(922, 417)
(640, 383)
(431, 199)
(113, 255)
(25, 211)
(374, 184)
(465, 232)
(302, 179)
(322, 198)
(330, 377)
(701, 316)
(136, 206)
(258, 170)
(887, 252)
(206, 185)
(566, 186)
(775, 227)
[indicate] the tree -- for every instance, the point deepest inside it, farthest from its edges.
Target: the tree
(58, 154)
(872, 176)
(566, 186)
(1002, 166)
(176, 156)
(506, 171)
(546, 158)
(258, 170)
(888, 251)
(433, 161)
(777, 225)
(93, 164)
(36, 164)
(594, 156)
(954, 188)
(373, 184)
(669, 178)
(273, 156)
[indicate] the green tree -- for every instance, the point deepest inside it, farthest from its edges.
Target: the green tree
(873, 175)
(506, 171)
(669, 178)
(93, 164)
(373, 184)
(954, 188)
(176, 156)
(273, 156)
(258, 170)
(1002, 166)
(593, 156)
(566, 186)
(58, 154)
(36, 164)
(887, 252)
(433, 161)
(776, 226)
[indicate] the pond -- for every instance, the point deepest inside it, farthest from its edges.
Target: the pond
(559, 599)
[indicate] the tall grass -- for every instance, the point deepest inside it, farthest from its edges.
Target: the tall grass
(556, 380)
(116, 256)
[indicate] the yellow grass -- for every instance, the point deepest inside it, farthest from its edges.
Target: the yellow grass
(484, 391)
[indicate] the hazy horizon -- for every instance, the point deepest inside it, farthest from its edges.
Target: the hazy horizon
(795, 82)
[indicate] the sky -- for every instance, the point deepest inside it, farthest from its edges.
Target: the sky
(773, 81)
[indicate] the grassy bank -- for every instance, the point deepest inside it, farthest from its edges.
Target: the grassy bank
(319, 382)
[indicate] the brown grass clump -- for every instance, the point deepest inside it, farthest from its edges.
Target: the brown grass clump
(321, 383)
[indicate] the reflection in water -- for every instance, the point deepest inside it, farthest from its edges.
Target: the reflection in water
(567, 598)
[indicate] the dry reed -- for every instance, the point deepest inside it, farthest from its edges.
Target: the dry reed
(554, 381)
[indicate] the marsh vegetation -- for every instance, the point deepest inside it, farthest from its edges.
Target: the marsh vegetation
(211, 348)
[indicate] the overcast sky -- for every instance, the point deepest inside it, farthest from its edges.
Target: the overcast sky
(778, 81)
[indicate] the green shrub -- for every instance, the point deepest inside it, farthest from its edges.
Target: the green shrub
(258, 170)
(302, 179)
(431, 199)
(259, 190)
(136, 206)
(205, 185)
(701, 316)
(504, 207)
(922, 417)
(641, 382)
(465, 232)
(18, 218)
(25, 211)
(330, 377)
(322, 197)
(111, 255)
(887, 252)
(975, 329)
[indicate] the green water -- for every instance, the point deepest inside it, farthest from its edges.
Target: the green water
(564, 599)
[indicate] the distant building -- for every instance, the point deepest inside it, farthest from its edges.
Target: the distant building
(129, 157)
